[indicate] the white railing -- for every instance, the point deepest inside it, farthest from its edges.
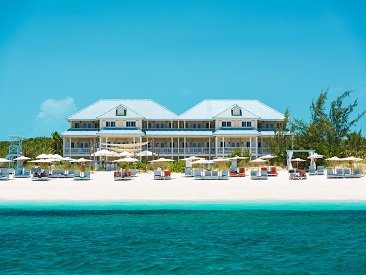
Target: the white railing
(181, 151)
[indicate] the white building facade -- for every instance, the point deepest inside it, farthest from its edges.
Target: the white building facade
(210, 129)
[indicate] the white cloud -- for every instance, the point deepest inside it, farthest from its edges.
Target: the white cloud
(53, 109)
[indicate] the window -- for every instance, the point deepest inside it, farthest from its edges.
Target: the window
(259, 144)
(72, 145)
(226, 124)
(207, 125)
(89, 125)
(130, 123)
(121, 111)
(194, 125)
(259, 125)
(162, 125)
(149, 125)
(157, 125)
(248, 144)
(236, 112)
(199, 125)
(97, 125)
(187, 126)
(110, 124)
(269, 125)
(77, 125)
(246, 124)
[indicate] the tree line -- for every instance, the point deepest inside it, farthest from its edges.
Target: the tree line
(329, 131)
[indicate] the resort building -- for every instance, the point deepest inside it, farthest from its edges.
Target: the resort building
(212, 128)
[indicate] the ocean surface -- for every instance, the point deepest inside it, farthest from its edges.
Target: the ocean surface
(183, 238)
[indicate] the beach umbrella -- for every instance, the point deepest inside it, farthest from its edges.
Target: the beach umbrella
(42, 156)
(145, 153)
(105, 153)
(335, 159)
(202, 161)
(352, 159)
(126, 159)
(220, 159)
(268, 157)
(313, 157)
(162, 160)
(297, 160)
(81, 160)
(192, 158)
(22, 158)
(126, 154)
(258, 162)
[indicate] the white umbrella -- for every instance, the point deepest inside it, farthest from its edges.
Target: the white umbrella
(202, 161)
(126, 154)
(127, 159)
(42, 156)
(22, 158)
(5, 160)
(258, 161)
(313, 157)
(268, 157)
(145, 153)
(335, 158)
(192, 158)
(80, 160)
(352, 159)
(237, 157)
(297, 160)
(162, 160)
(105, 153)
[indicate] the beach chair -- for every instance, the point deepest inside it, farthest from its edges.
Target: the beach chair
(215, 175)
(70, 173)
(224, 175)
(133, 172)
(86, 175)
(292, 175)
(347, 173)
(42, 177)
(339, 173)
(4, 174)
(320, 170)
(264, 175)
(241, 172)
(188, 172)
(197, 174)
(26, 174)
(254, 175)
(18, 173)
(77, 176)
(312, 171)
(167, 175)
(356, 173)
(330, 174)
(273, 172)
(54, 174)
(158, 175)
(207, 175)
(232, 172)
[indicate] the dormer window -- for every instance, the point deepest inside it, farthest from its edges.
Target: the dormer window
(120, 111)
(236, 111)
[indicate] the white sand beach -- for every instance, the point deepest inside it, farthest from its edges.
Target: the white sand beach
(102, 187)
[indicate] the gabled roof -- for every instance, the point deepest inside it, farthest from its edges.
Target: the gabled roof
(146, 108)
(245, 114)
(210, 108)
(112, 113)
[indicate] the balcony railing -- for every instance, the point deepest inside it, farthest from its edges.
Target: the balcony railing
(181, 151)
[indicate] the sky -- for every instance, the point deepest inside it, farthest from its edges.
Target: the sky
(57, 57)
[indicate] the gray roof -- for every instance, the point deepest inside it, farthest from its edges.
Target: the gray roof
(245, 114)
(265, 133)
(146, 108)
(179, 133)
(79, 133)
(121, 131)
(236, 132)
(210, 108)
(112, 113)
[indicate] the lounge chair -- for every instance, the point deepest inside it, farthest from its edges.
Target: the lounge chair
(42, 177)
(339, 173)
(167, 175)
(320, 170)
(264, 175)
(215, 175)
(347, 173)
(331, 174)
(54, 174)
(254, 175)
(133, 172)
(356, 173)
(84, 176)
(292, 175)
(158, 175)
(198, 174)
(241, 172)
(77, 176)
(312, 171)
(18, 173)
(224, 175)
(120, 175)
(232, 172)
(273, 172)
(4, 174)
(70, 173)
(188, 172)
(207, 175)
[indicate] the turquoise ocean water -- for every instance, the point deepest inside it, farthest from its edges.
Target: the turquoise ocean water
(176, 237)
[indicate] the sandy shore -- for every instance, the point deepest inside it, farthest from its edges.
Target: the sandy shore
(143, 187)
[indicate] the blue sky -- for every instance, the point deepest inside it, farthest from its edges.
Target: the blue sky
(57, 57)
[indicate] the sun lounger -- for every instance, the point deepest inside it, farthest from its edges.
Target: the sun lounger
(356, 173)
(133, 172)
(158, 175)
(70, 173)
(320, 170)
(339, 173)
(4, 174)
(264, 175)
(254, 175)
(297, 176)
(22, 173)
(312, 171)
(241, 172)
(332, 175)
(188, 172)
(207, 175)
(215, 175)
(224, 175)
(232, 172)
(273, 172)
(167, 175)
(42, 177)
(121, 175)
(347, 173)
(198, 174)
(84, 176)
(76, 175)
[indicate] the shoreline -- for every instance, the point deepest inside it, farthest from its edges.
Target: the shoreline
(102, 187)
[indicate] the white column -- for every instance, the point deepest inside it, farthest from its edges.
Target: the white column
(184, 147)
(216, 147)
(178, 146)
(223, 146)
(256, 147)
(250, 145)
(171, 146)
(262, 146)
(70, 146)
(209, 148)
(140, 147)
